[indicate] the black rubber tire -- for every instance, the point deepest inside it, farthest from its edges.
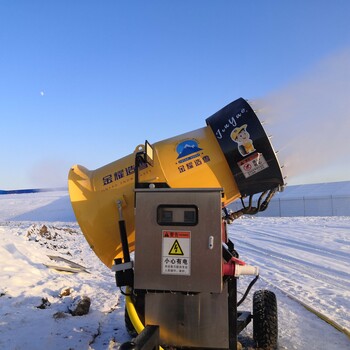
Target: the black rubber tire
(265, 320)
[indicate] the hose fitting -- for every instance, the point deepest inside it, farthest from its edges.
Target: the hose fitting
(236, 267)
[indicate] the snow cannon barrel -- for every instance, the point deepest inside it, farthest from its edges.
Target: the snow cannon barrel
(232, 152)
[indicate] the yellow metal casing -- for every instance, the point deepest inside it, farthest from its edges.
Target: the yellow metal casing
(232, 152)
(94, 194)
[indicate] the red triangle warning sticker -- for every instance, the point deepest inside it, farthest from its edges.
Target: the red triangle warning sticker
(176, 249)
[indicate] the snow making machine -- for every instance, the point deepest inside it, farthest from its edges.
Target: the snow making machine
(167, 203)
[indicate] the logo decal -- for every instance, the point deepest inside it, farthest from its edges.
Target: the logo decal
(186, 148)
(190, 155)
(241, 136)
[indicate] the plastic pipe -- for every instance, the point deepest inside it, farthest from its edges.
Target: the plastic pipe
(133, 315)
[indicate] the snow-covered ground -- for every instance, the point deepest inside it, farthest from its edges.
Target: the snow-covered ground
(305, 258)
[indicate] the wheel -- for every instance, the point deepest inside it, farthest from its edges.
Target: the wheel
(265, 320)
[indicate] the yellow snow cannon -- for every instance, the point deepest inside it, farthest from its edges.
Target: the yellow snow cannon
(231, 152)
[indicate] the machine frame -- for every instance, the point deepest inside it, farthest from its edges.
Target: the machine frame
(168, 304)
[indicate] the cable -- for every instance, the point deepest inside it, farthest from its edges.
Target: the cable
(251, 284)
(262, 205)
(124, 293)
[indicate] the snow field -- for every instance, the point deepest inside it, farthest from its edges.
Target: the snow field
(308, 258)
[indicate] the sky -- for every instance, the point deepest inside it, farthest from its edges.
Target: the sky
(87, 81)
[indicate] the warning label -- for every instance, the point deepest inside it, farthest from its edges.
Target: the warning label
(176, 257)
(253, 164)
(176, 249)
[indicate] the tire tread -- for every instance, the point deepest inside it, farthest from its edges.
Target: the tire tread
(265, 320)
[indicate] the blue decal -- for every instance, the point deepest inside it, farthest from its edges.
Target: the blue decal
(186, 148)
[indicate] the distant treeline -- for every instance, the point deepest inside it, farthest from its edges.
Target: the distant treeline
(32, 190)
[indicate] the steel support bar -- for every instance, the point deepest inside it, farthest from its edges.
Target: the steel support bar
(244, 317)
(232, 312)
(148, 339)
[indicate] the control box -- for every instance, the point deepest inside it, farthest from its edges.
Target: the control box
(178, 242)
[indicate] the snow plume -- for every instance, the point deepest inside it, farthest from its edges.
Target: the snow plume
(309, 121)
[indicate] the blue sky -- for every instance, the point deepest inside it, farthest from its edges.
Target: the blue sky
(87, 81)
